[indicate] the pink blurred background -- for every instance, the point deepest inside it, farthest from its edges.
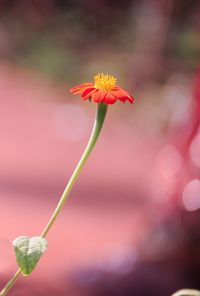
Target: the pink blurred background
(131, 223)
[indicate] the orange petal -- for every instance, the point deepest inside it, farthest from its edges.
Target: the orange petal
(131, 99)
(109, 98)
(119, 95)
(80, 88)
(122, 95)
(87, 93)
(99, 95)
(121, 90)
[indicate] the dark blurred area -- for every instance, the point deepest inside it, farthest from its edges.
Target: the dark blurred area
(131, 224)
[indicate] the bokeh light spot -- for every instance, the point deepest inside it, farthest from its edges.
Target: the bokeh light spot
(191, 195)
(195, 150)
(169, 162)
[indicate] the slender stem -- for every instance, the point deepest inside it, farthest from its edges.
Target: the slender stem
(100, 116)
(10, 283)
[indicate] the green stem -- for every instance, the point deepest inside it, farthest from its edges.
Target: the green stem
(100, 116)
(10, 283)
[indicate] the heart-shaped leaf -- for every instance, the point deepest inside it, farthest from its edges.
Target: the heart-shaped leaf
(28, 252)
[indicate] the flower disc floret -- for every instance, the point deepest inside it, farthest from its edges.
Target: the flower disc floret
(104, 89)
(104, 82)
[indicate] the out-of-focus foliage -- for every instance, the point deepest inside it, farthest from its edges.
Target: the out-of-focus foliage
(64, 38)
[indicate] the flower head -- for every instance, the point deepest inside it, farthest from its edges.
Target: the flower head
(103, 89)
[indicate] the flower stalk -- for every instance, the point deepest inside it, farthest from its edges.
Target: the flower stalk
(100, 116)
(10, 283)
(99, 120)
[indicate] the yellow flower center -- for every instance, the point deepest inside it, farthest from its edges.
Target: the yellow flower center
(106, 82)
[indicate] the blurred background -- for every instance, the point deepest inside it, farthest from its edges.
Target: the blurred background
(131, 224)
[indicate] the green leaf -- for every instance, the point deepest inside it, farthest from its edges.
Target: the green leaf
(28, 252)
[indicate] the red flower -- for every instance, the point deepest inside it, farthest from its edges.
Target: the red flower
(102, 90)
